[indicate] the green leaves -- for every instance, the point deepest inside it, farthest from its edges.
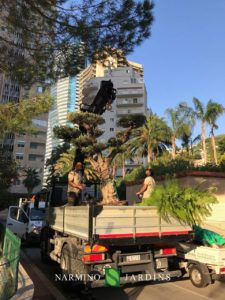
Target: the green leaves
(187, 205)
(132, 121)
(17, 117)
(57, 36)
(31, 180)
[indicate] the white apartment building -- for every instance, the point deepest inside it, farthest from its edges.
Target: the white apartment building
(70, 92)
(131, 96)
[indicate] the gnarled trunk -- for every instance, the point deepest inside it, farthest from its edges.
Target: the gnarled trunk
(109, 195)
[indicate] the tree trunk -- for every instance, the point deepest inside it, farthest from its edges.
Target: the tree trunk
(214, 148)
(203, 143)
(123, 168)
(109, 195)
(173, 142)
(150, 154)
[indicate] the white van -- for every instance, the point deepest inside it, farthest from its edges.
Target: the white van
(26, 220)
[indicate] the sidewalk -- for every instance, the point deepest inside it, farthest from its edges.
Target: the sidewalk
(25, 288)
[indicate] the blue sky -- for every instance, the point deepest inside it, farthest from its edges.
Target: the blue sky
(185, 55)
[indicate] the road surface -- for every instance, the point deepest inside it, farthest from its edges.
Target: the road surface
(182, 289)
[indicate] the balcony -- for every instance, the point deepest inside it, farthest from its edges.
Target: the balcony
(131, 102)
(129, 92)
(126, 112)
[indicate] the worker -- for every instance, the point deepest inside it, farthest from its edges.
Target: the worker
(148, 185)
(75, 184)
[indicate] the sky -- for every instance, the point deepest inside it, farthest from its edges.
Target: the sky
(185, 55)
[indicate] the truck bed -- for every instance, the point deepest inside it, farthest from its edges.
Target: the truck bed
(114, 224)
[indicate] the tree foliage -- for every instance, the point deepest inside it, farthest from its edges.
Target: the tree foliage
(188, 205)
(50, 38)
(150, 138)
(31, 180)
(83, 134)
(17, 117)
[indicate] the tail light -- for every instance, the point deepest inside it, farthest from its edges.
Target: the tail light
(95, 249)
(168, 251)
(222, 270)
(93, 257)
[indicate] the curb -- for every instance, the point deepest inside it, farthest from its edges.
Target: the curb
(25, 288)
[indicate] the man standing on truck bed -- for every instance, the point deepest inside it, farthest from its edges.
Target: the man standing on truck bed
(75, 185)
(148, 186)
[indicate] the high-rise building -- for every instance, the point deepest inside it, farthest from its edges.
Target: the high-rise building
(131, 96)
(27, 150)
(64, 93)
(70, 92)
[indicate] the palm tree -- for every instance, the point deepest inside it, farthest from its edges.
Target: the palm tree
(200, 113)
(154, 134)
(31, 180)
(181, 123)
(213, 111)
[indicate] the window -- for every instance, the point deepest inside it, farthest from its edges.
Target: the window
(128, 71)
(42, 133)
(20, 144)
(111, 129)
(39, 122)
(135, 100)
(128, 111)
(17, 214)
(34, 145)
(19, 156)
(33, 157)
(16, 182)
(112, 119)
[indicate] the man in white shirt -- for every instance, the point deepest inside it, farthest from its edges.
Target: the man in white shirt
(148, 186)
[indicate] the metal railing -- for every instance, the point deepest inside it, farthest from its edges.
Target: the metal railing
(9, 262)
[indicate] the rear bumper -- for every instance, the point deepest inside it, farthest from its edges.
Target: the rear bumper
(131, 279)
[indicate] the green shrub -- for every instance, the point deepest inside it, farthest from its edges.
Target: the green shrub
(136, 174)
(170, 166)
(187, 205)
(212, 167)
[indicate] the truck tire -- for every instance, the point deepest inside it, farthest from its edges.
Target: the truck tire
(45, 245)
(199, 276)
(70, 264)
(65, 262)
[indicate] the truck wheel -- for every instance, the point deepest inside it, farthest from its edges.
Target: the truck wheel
(198, 276)
(45, 246)
(65, 261)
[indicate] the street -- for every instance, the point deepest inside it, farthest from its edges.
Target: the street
(182, 289)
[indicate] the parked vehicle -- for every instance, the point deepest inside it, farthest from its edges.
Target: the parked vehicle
(203, 264)
(86, 240)
(27, 219)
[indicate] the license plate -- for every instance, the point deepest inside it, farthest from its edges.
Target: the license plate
(133, 258)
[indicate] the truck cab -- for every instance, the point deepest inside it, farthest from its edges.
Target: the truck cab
(27, 219)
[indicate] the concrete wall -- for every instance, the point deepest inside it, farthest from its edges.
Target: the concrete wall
(202, 182)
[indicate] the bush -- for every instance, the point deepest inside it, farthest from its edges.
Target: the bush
(212, 167)
(170, 166)
(187, 205)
